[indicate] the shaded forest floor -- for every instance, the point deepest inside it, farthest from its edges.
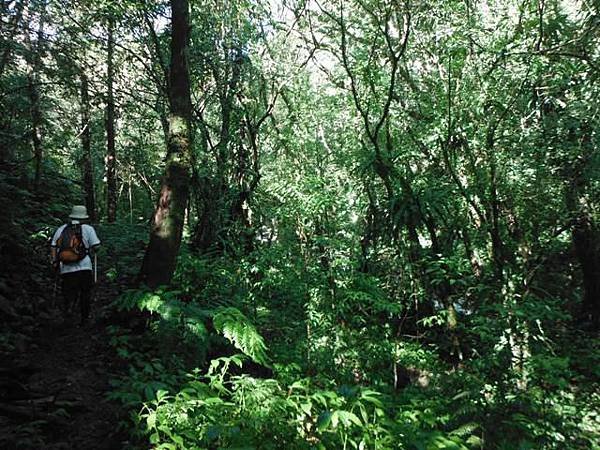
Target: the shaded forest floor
(54, 374)
(73, 367)
(54, 384)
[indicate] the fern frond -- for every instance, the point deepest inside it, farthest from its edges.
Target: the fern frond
(238, 330)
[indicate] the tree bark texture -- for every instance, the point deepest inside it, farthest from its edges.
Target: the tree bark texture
(167, 225)
(111, 156)
(86, 145)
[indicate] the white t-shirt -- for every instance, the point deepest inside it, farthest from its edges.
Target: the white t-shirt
(90, 239)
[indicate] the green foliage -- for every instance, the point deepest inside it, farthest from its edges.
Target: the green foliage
(125, 240)
(223, 403)
(241, 333)
(410, 228)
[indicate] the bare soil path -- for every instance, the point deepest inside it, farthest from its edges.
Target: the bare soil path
(75, 366)
(54, 384)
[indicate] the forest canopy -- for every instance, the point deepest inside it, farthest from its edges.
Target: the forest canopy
(363, 223)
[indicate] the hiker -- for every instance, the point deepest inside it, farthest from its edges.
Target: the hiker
(72, 245)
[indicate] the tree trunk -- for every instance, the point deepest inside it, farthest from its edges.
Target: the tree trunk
(586, 243)
(33, 68)
(86, 144)
(216, 212)
(12, 28)
(111, 157)
(165, 238)
(370, 232)
(36, 128)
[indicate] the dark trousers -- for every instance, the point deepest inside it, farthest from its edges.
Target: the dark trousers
(78, 286)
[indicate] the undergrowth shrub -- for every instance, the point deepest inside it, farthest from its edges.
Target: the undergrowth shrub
(330, 375)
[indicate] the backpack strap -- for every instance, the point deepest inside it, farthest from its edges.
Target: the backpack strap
(79, 231)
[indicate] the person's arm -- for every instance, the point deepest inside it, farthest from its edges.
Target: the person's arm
(92, 239)
(54, 248)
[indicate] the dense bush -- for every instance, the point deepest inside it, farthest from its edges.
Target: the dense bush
(198, 391)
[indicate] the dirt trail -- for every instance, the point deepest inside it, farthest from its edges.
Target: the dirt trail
(54, 375)
(66, 373)
(75, 365)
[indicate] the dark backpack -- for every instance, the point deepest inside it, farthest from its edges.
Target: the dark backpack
(71, 248)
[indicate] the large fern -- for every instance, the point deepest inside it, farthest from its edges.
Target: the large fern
(236, 328)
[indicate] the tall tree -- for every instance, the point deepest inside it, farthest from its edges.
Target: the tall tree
(10, 27)
(86, 145)
(167, 224)
(34, 58)
(111, 157)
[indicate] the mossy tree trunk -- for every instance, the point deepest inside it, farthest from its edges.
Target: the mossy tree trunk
(167, 224)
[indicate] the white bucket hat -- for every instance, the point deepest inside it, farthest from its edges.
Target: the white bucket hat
(79, 212)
